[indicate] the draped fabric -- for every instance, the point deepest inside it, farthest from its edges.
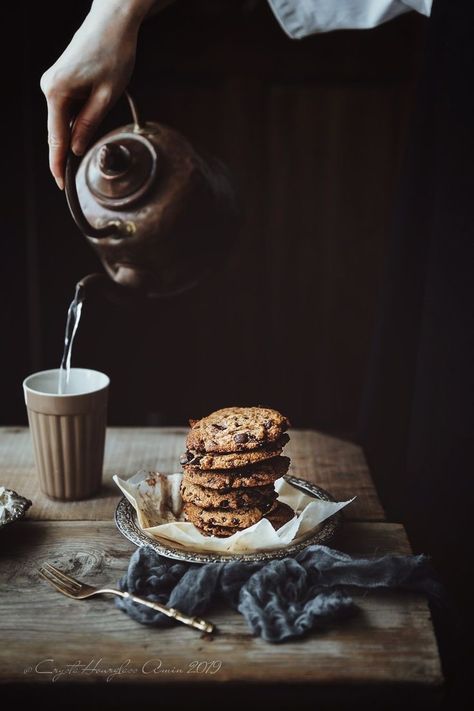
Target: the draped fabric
(279, 599)
(417, 417)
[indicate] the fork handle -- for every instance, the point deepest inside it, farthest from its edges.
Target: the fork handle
(197, 622)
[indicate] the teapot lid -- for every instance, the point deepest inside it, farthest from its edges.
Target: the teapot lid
(121, 168)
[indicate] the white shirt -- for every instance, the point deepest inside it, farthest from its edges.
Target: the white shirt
(300, 18)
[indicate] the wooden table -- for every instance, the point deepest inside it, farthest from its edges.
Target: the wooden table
(390, 644)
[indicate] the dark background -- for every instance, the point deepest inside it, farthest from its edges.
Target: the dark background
(313, 132)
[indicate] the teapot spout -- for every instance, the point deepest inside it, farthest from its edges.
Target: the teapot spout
(102, 285)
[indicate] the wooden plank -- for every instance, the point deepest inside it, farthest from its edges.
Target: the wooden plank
(335, 464)
(391, 640)
(339, 467)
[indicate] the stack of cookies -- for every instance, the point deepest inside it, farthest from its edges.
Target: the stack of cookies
(232, 461)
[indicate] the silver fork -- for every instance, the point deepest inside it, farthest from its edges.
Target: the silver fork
(80, 591)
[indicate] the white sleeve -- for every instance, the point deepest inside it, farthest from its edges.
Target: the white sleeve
(300, 18)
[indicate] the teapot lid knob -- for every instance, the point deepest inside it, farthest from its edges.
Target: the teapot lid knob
(120, 170)
(113, 159)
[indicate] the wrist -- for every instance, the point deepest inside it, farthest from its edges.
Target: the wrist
(130, 13)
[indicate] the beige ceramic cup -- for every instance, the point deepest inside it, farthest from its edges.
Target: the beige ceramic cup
(68, 431)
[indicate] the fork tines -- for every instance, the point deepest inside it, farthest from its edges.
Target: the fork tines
(61, 581)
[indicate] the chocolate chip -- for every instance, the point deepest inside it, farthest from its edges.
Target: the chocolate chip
(225, 503)
(235, 521)
(267, 424)
(241, 438)
(185, 458)
(220, 427)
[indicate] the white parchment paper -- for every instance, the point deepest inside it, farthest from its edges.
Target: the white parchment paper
(157, 500)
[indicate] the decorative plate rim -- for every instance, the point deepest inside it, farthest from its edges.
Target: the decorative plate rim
(125, 520)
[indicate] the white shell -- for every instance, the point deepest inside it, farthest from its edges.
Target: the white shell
(12, 506)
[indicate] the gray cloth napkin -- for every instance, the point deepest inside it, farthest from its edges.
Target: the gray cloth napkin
(280, 599)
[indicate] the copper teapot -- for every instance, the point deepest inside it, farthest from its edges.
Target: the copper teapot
(159, 216)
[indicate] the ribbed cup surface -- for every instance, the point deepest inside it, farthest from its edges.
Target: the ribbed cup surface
(69, 452)
(68, 433)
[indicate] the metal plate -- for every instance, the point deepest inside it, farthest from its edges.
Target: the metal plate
(126, 522)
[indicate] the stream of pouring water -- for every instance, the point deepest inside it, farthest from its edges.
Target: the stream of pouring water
(72, 323)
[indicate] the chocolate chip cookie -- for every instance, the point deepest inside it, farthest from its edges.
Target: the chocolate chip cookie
(238, 518)
(218, 531)
(236, 429)
(260, 474)
(234, 460)
(243, 498)
(280, 514)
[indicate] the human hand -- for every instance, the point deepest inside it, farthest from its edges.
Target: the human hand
(92, 72)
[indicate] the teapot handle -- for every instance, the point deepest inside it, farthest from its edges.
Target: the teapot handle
(72, 164)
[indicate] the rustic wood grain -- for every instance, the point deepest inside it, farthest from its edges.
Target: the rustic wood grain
(338, 466)
(334, 464)
(390, 641)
